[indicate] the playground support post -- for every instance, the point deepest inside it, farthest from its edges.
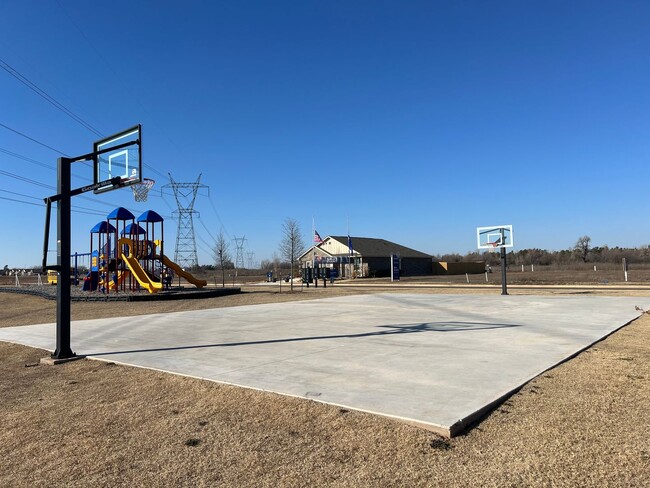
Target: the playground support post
(63, 226)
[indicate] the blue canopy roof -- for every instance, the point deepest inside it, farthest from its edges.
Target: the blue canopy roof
(102, 227)
(150, 216)
(133, 229)
(120, 213)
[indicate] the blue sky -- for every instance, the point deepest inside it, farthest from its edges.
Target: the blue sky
(413, 121)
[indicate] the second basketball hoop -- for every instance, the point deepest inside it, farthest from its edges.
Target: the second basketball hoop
(493, 238)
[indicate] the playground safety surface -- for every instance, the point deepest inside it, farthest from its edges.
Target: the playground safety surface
(439, 361)
(175, 293)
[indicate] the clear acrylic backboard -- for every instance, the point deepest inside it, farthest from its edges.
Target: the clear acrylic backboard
(494, 237)
(123, 158)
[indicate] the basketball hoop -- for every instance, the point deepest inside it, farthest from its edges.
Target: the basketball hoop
(141, 190)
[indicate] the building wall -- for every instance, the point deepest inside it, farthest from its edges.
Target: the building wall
(416, 266)
(306, 260)
(380, 267)
(336, 248)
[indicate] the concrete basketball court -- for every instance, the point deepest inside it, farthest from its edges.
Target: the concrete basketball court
(438, 361)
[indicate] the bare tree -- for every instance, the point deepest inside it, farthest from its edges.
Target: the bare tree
(221, 256)
(292, 244)
(582, 247)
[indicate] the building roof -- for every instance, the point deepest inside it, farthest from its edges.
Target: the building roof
(120, 213)
(150, 216)
(133, 229)
(102, 227)
(371, 247)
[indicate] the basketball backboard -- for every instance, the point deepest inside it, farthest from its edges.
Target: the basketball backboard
(494, 237)
(120, 155)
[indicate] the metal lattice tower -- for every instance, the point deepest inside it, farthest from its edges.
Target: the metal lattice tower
(185, 194)
(249, 256)
(239, 259)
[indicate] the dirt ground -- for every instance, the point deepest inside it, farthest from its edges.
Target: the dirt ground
(91, 423)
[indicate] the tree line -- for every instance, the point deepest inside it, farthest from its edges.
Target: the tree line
(581, 252)
(291, 246)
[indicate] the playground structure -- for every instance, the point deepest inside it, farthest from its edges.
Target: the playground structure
(126, 255)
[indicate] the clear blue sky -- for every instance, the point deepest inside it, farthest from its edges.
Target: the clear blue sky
(415, 121)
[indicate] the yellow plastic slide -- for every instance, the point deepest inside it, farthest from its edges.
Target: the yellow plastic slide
(141, 275)
(179, 271)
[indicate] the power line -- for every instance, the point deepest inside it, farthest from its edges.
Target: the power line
(37, 163)
(43, 94)
(26, 180)
(21, 194)
(206, 229)
(50, 187)
(21, 201)
(53, 149)
(206, 243)
(214, 207)
(118, 78)
(34, 140)
(75, 208)
(23, 79)
(25, 158)
(149, 167)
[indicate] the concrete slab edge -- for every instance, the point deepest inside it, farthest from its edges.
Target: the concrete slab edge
(473, 419)
(431, 427)
(497, 288)
(453, 430)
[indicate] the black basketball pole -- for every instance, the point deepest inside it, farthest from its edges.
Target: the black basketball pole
(504, 284)
(63, 243)
(63, 248)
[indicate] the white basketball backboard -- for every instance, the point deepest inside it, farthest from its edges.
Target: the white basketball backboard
(125, 161)
(494, 237)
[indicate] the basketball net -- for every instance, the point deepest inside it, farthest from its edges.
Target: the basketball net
(141, 190)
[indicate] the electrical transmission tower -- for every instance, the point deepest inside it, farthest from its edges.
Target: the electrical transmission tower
(185, 195)
(239, 259)
(250, 256)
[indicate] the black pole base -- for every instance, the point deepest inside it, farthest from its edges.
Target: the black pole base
(63, 353)
(52, 361)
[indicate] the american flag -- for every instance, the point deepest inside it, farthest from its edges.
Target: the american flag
(317, 238)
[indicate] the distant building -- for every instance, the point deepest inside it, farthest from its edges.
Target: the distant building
(369, 257)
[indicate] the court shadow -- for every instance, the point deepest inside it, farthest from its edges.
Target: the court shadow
(386, 330)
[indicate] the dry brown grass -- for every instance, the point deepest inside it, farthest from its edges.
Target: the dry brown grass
(89, 423)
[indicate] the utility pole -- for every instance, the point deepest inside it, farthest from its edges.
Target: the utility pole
(249, 256)
(239, 257)
(185, 194)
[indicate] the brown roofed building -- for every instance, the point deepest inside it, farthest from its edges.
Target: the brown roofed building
(370, 257)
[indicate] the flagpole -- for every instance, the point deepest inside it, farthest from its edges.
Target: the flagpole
(350, 263)
(349, 266)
